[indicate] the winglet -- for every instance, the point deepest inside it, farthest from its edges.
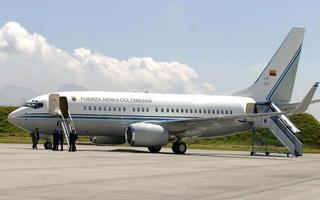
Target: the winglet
(307, 100)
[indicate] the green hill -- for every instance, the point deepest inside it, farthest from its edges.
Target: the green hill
(5, 126)
(308, 125)
(8, 132)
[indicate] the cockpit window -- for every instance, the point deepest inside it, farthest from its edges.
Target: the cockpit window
(34, 104)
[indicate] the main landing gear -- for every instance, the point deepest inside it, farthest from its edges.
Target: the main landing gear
(154, 149)
(179, 147)
(47, 145)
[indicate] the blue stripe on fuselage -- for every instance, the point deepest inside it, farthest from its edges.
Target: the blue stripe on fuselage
(283, 75)
(112, 117)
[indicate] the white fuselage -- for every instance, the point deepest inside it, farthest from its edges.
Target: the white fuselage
(109, 113)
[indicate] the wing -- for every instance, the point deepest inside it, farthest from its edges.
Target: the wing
(177, 126)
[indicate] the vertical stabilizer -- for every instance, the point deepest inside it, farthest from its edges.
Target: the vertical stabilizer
(277, 80)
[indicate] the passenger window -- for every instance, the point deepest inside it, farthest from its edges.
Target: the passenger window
(204, 111)
(217, 111)
(119, 108)
(84, 107)
(162, 110)
(186, 110)
(168, 110)
(200, 111)
(209, 111)
(114, 108)
(100, 108)
(172, 110)
(133, 109)
(181, 110)
(156, 109)
(190, 110)
(147, 109)
(94, 107)
(226, 111)
(138, 109)
(142, 109)
(105, 108)
(89, 107)
(195, 110)
(124, 109)
(231, 112)
(177, 110)
(222, 112)
(213, 111)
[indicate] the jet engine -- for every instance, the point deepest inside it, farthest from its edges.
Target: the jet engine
(107, 140)
(146, 135)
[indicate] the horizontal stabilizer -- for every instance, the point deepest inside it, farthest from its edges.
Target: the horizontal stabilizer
(307, 100)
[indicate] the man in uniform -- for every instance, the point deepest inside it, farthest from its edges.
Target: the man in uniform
(35, 138)
(72, 140)
(55, 140)
(61, 139)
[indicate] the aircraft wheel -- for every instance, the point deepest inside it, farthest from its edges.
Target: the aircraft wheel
(154, 149)
(179, 147)
(47, 145)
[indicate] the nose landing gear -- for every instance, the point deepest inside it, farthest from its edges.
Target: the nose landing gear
(47, 145)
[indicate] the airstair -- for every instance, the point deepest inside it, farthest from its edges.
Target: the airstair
(67, 125)
(282, 128)
(58, 106)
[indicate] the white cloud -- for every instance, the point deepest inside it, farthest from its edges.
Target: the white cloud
(27, 59)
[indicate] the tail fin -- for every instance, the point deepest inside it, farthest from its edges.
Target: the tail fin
(276, 81)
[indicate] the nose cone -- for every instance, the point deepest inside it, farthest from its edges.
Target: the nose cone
(13, 117)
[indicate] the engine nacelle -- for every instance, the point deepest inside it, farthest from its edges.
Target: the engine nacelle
(146, 135)
(107, 140)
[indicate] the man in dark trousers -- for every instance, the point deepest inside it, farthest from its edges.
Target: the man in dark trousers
(35, 138)
(55, 139)
(61, 139)
(72, 140)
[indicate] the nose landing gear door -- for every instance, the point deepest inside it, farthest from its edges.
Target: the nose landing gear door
(54, 104)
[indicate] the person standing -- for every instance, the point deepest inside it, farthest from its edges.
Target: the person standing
(61, 140)
(55, 140)
(72, 140)
(35, 139)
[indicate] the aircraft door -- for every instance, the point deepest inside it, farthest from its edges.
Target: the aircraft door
(64, 106)
(54, 104)
(250, 108)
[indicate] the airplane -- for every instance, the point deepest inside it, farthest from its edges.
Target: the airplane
(153, 120)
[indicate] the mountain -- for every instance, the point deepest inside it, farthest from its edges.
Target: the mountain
(15, 95)
(72, 87)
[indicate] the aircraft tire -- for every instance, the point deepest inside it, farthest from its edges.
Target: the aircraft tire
(47, 145)
(179, 148)
(154, 149)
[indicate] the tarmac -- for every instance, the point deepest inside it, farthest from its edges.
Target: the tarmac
(112, 172)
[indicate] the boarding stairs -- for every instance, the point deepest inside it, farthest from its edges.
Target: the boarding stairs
(67, 125)
(282, 128)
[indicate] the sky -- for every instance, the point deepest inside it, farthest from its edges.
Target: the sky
(207, 46)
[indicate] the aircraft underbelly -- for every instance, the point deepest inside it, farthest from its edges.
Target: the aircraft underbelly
(93, 127)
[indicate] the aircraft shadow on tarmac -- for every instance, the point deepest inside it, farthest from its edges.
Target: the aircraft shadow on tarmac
(210, 154)
(225, 154)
